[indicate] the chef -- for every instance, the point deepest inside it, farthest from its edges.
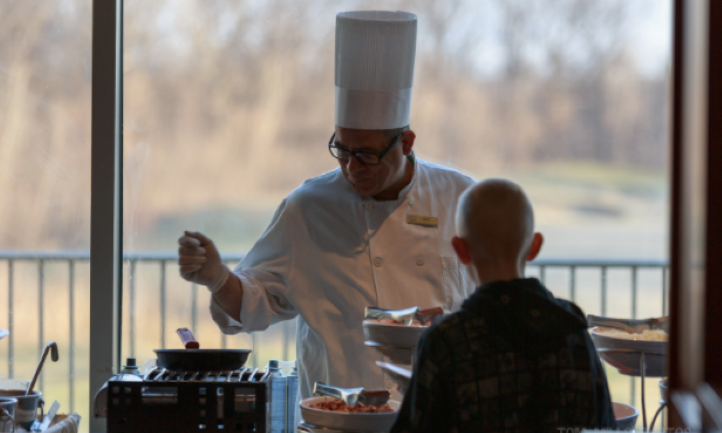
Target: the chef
(376, 231)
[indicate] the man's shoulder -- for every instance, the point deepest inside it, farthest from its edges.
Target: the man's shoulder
(449, 325)
(433, 169)
(329, 184)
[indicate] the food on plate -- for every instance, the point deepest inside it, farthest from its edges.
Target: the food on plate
(339, 406)
(395, 322)
(646, 335)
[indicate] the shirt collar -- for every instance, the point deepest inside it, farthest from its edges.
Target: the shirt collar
(405, 191)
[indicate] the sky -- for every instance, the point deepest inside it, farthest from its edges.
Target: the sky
(652, 39)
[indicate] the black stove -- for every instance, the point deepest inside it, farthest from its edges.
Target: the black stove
(190, 401)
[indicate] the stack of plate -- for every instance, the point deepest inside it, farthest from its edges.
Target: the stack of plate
(326, 421)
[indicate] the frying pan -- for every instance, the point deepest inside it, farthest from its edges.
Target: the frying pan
(194, 359)
(202, 359)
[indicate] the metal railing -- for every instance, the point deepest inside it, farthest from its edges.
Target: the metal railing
(541, 267)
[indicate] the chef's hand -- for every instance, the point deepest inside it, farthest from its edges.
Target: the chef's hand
(200, 262)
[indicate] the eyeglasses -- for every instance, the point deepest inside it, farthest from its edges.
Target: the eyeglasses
(362, 157)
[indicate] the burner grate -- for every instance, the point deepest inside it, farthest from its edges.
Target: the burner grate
(190, 401)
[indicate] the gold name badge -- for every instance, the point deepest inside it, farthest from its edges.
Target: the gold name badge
(422, 220)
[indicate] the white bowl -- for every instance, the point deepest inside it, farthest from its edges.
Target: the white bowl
(625, 415)
(370, 422)
(626, 355)
(393, 335)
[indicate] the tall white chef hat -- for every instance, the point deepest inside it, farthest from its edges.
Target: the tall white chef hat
(375, 52)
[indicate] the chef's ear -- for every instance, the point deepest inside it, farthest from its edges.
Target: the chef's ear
(408, 141)
(462, 249)
(536, 244)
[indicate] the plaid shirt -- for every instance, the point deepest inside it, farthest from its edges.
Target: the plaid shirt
(513, 359)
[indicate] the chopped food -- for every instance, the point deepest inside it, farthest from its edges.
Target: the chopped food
(339, 406)
(396, 322)
(646, 335)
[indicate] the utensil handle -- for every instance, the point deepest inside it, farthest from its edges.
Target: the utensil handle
(37, 371)
(186, 336)
(48, 347)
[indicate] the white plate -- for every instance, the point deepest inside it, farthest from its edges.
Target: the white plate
(626, 355)
(371, 422)
(393, 335)
(4, 333)
(625, 415)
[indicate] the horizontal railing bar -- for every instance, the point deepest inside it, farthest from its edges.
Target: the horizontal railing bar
(85, 255)
(153, 255)
(595, 263)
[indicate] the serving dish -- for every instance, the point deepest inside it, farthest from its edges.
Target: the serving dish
(626, 355)
(373, 422)
(625, 415)
(393, 335)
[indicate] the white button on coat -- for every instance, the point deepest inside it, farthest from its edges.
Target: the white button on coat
(314, 263)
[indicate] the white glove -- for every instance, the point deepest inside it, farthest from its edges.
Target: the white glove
(200, 261)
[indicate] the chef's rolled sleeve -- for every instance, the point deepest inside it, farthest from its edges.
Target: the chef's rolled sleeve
(264, 280)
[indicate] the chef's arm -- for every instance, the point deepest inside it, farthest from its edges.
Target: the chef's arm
(230, 296)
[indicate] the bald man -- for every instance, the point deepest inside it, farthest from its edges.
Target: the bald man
(514, 358)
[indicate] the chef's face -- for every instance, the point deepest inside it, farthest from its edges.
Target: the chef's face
(382, 181)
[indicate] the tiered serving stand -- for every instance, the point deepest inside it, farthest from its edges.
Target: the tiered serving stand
(636, 358)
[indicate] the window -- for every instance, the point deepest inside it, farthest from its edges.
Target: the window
(45, 97)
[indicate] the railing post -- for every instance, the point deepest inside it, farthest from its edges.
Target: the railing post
(573, 283)
(634, 292)
(11, 336)
(71, 349)
(132, 306)
(194, 309)
(254, 354)
(543, 274)
(41, 296)
(162, 304)
(665, 269)
(604, 291)
(286, 337)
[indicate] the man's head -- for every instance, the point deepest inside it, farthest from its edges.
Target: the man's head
(384, 180)
(495, 230)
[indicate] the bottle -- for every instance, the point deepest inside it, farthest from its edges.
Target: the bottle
(291, 396)
(131, 368)
(277, 397)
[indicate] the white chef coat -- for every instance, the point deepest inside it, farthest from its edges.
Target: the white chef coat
(329, 252)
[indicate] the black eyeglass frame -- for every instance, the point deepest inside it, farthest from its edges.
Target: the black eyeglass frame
(355, 154)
